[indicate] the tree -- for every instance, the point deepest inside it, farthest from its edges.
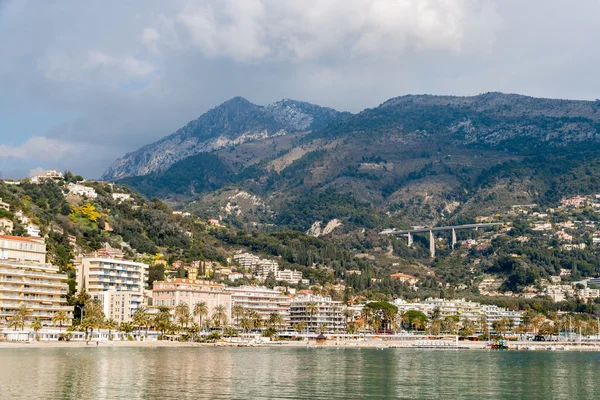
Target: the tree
(275, 321)
(111, 325)
(193, 330)
(416, 319)
(219, 316)
(93, 317)
(182, 314)
(126, 327)
(36, 325)
(312, 308)
(59, 318)
(141, 318)
(21, 315)
(237, 312)
(162, 320)
(200, 310)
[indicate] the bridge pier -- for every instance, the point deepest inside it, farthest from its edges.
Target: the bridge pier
(410, 239)
(453, 238)
(431, 244)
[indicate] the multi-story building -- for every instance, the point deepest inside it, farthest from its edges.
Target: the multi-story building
(117, 305)
(26, 279)
(173, 292)
(100, 275)
(81, 190)
(290, 276)
(494, 313)
(262, 300)
(22, 249)
(247, 260)
(319, 313)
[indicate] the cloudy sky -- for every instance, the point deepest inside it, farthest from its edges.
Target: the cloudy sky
(83, 82)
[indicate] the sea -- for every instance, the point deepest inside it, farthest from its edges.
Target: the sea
(296, 373)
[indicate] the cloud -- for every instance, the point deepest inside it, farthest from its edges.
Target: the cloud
(247, 30)
(118, 75)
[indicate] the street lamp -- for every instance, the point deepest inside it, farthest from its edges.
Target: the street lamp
(80, 312)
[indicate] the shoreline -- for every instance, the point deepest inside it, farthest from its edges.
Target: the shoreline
(370, 344)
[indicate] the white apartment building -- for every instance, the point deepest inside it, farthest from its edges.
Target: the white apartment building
(494, 313)
(247, 260)
(262, 300)
(327, 316)
(25, 278)
(22, 249)
(98, 275)
(80, 190)
(117, 305)
(290, 276)
(120, 197)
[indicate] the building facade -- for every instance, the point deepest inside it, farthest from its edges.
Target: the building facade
(100, 275)
(25, 279)
(317, 313)
(173, 292)
(262, 300)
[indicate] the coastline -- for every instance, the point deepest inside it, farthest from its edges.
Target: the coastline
(368, 344)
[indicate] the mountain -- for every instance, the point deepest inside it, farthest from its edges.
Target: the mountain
(415, 159)
(232, 123)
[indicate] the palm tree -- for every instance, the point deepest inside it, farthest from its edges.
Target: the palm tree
(312, 308)
(110, 324)
(36, 325)
(237, 312)
(162, 320)
(193, 330)
(348, 314)
(126, 328)
(275, 320)
(59, 318)
(200, 310)
(141, 318)
(94, 316)
(182, 314)
(21, 315)
(219, 316)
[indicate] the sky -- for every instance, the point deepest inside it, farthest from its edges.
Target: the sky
(84, 82)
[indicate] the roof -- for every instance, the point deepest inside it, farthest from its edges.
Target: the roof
(22, 239)
(322, 337)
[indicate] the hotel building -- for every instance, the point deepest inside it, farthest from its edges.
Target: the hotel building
(117, 284)
(25, 278)
(262, 300)
(328, 315)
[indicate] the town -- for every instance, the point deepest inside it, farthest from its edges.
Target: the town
(124, 295)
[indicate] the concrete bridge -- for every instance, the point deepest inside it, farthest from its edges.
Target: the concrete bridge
(409, 233)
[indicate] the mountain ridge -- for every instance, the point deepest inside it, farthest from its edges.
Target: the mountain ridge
(231, 123)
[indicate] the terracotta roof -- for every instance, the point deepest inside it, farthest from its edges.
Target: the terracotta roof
(22, 239)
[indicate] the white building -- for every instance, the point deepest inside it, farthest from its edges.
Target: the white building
(48, 175)
(99, 275)
(494, 313)
(26, 279)
(247, 260)
(262, 300)
(80, 190)
(120, 197)
(327, 315)
(22, 249)
(33, 230)
(291, 276)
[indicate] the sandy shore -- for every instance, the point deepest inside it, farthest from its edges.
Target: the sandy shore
(302, 344)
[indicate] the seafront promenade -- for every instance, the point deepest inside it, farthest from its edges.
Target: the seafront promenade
(358, 344)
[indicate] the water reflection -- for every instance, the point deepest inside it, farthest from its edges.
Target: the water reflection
(279, 373)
